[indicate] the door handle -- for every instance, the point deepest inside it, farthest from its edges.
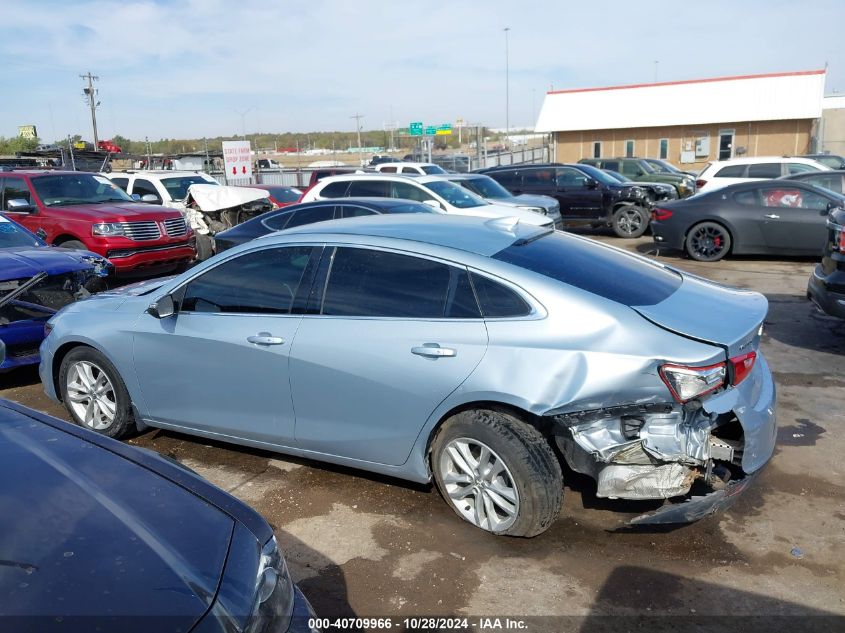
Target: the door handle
(265, 338)
(772, 216)
(433, 350)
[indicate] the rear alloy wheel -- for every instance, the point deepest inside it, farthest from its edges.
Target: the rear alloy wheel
(93, 392)
(497, 473)
(708, 242)
(629, 221)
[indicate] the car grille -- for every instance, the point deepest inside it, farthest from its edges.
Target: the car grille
(141, 231)
(175, 227)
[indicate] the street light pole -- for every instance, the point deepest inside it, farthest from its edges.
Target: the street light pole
(507, 88)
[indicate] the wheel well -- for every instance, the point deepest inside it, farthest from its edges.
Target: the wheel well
(534, 420)
(58, 357)
(61, 239)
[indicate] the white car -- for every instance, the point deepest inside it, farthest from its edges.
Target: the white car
(722, 173)
(421, 169)
(435, 191)
(160, 186)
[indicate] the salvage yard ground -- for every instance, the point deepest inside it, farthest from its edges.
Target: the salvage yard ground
(365, 545)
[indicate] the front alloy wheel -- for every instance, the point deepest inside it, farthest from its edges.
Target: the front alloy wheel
(90, 395)
(479, 484)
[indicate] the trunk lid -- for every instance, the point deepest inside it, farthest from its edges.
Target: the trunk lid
(705, 311)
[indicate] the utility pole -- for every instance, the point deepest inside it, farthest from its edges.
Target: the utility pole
(243, 121)
(358, 118)
(507, 88)
(656, 63)
(91, 97)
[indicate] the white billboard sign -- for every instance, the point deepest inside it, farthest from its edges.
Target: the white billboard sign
(237, 159)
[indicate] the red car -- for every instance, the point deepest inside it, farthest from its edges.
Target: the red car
(280, 195)
(108, 146)
(86, 211)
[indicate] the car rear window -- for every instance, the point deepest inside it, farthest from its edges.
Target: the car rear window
(595, 268)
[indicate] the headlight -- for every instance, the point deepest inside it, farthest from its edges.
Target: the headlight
(102, 266)
(273, 602)
(107, 228)
(539, 210)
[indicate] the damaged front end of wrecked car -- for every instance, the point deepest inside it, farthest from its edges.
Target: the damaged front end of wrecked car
(698, 449)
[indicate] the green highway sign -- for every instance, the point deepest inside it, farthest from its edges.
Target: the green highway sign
(430, 130)
(416, 128)
(444, 129)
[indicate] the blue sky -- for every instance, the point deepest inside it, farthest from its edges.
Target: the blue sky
(187, 68)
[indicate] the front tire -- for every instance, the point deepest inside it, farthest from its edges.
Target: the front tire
(74, 244)
(708, 242)
(497, 472)
(629, 221)
(94, 394)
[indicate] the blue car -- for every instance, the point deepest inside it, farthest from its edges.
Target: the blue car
(36, 281)
(464, 350)
(96, 535)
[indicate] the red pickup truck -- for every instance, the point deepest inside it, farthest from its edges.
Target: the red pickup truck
(86, 211)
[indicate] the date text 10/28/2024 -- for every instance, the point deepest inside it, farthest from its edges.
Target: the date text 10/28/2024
(420, 624)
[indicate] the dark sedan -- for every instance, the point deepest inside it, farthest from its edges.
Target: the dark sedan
(826, 287)
(98, 535)
(782, 217)
(310, 212)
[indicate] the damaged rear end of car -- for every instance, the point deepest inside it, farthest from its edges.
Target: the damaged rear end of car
(672, 398)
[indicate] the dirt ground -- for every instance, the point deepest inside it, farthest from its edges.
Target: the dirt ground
(369, 546)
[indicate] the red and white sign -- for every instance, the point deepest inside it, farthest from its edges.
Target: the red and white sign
(237, 159)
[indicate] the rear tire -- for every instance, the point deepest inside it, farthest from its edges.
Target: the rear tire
(497, 472)
(94, 394)
(707, 242)
(629, 221)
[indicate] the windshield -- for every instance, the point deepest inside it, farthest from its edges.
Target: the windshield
(455, 195)
(433, 169)
(79, 188)
(598, 174)
(13, 235)
(485, 187)
(594, 267)
(178, 187)
(617, 175)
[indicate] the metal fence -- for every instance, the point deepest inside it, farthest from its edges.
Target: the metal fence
(300, 177)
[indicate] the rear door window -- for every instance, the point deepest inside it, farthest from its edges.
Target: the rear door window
(311, 215)
(369, 189)
(388, 170)
(538, 178)
(733, 171)
(335, 189)
(354, 211)
(765, 170)
(799, 168)
(508, 178)
(373, 283)
(595, 268)
(612, 165)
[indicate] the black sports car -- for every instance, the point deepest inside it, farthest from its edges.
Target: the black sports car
(782, 217)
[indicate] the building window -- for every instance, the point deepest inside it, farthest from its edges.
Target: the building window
(664, 148)
(629, 149)
(596, 149)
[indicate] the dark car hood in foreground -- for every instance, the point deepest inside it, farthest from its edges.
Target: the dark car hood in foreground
(20, 263)
(86, 532)
(709, 312)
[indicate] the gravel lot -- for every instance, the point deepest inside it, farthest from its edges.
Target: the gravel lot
(365, 545)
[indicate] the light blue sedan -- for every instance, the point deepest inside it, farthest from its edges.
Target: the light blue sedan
(458, 348)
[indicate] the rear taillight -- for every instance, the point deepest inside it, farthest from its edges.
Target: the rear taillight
(700, 183)
(742, 366)
(660, 214)
(687, 383)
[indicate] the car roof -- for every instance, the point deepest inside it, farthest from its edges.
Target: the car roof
(765, 159)
(157, 172)
(51, 172)
(383, 203)
(815, 174)
(370, 175)
(482, 236)
(406, 163)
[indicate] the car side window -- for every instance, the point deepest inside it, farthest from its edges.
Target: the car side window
(311, 215)
(749, 198)
(570, 178)
(278, 221)
(632, 169)
(369, 189)
(352, 211)
(335, 189)
(372, 283)
(408, 191)
(508, 178)
(388, 170)
(260, 282)
(14, 189)
(612, 165)
(799, 168)
(143, 187)
(538, 177)
(497, 300)
(123, 183)
(732, 171)
(833, 183)
(792, 197)
(764, 170)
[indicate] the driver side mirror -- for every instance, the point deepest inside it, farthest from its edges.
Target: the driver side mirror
(163, 308)
(151, 198)
(591, 183)
(19, 205)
